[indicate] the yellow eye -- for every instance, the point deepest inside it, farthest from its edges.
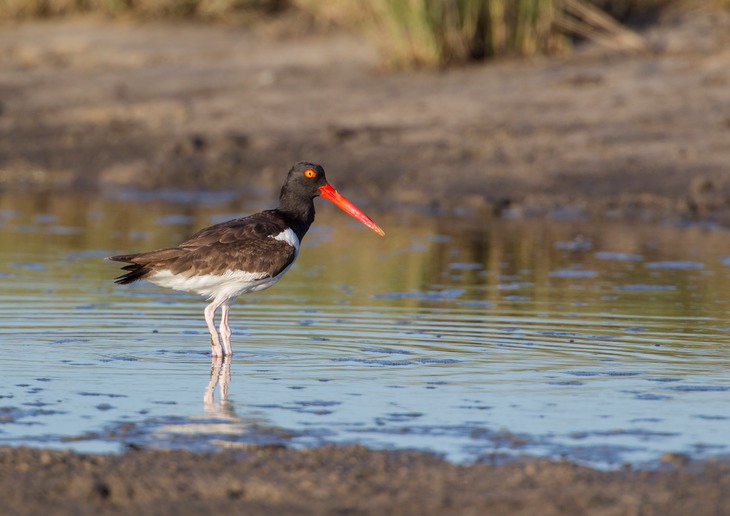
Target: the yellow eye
(310, 173)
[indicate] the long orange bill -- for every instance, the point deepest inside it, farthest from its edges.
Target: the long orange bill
(331, 194)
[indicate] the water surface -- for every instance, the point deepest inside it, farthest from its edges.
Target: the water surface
(475, 338)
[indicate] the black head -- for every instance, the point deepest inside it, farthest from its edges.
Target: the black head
(307, 181)
(304, 181)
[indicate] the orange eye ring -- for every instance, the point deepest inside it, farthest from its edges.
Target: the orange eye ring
(310, 173)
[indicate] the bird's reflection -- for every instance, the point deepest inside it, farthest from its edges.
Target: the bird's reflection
(220, 375)
(220, 426)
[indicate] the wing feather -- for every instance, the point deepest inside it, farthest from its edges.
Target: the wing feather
(245, 244)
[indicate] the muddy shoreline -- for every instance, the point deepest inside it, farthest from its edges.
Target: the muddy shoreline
(344, 480)
(96, 105)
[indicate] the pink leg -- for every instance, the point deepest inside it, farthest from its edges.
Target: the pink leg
(210, 320)
(225, 329)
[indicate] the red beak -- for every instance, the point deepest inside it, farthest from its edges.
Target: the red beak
(331, 194)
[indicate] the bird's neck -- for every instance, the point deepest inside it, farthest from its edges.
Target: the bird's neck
(298, 212)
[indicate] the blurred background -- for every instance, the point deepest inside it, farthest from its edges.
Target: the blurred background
(525, 107)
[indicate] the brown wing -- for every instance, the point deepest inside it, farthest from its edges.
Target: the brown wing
(243, 244)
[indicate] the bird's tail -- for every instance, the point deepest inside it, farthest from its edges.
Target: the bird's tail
(136, 271)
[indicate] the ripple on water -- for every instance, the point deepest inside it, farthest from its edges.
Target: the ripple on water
(678, 265)
(622, 257)
(449, 340)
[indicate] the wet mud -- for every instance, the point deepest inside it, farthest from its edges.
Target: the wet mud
(344, 480)
(87, 104)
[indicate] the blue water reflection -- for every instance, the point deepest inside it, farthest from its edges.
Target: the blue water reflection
(476, 339)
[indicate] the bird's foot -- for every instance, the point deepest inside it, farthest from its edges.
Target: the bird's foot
(227, 349)
(225, 334)
(216, 347)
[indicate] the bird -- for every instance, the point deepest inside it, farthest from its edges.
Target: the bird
(243, 255)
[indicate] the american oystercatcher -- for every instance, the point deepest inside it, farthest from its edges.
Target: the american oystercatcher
(242, 255)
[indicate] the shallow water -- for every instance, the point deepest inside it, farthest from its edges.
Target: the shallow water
(476, 339)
